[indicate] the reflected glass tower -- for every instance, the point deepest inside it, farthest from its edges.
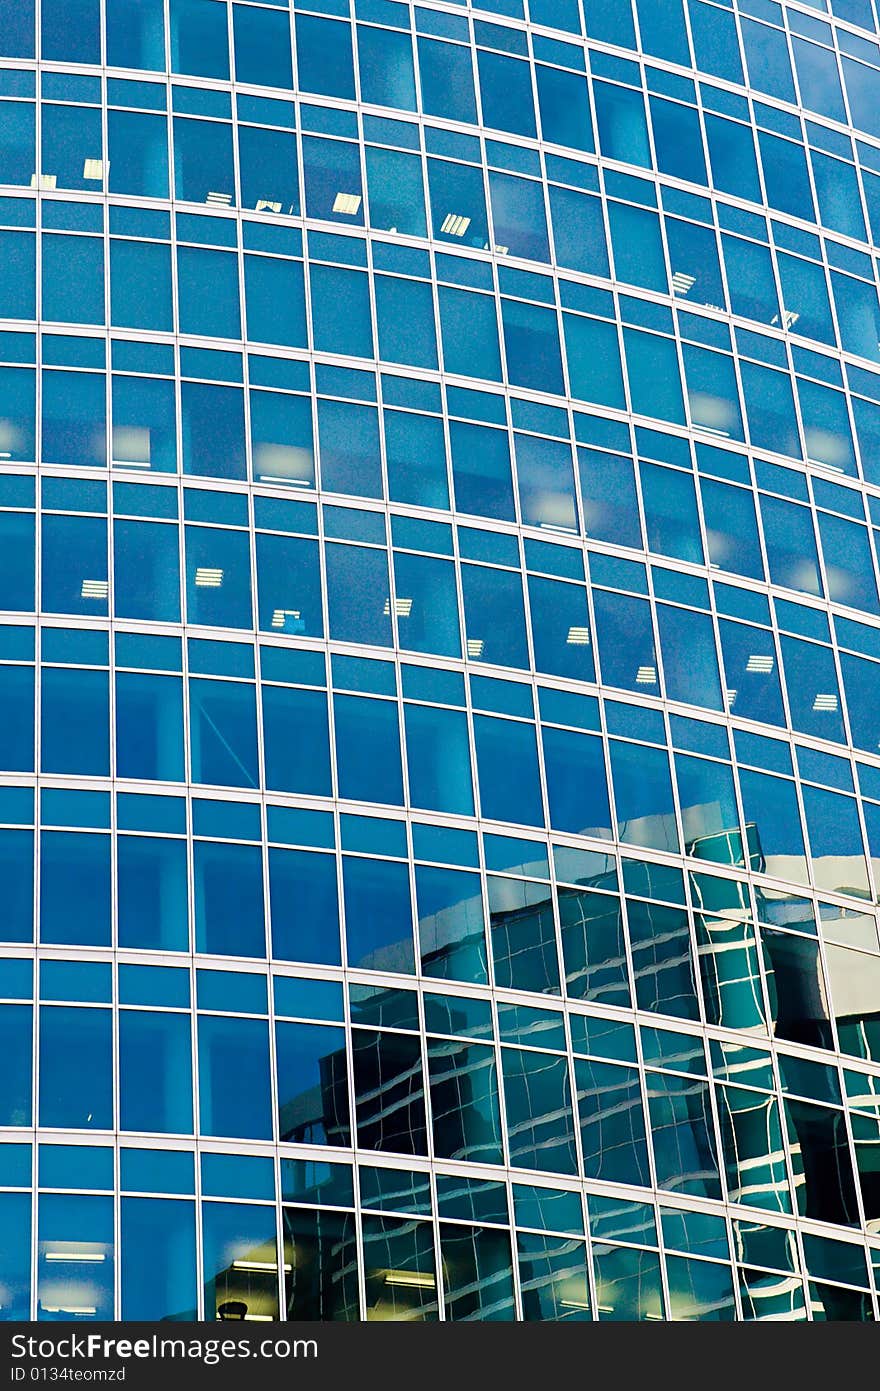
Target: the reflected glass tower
(439, 659)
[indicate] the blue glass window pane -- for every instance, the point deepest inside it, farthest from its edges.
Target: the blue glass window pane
(289, 586)
(507, 766)
(144, 432)
(323, 57)
(281, 437)
(358, 595)
(405, 321)
(155, 1071)
(149, 727)
(75, 719)
(74, 889)
(234, 1088)
(331, 168)
(146, 573)
(378, 915)
(268, 175)
(18, 275)
(203, 158)
(481, 470)
(18, 42)
(395, 186)
(447, 80)
(438, 759)
(638, 247)
(158, 1249)
(415, 452)
(305, 909)
(218, 577)
(17, 730)
(593, 354)
(16, 1030)
(138, 152)
(349, 444)
(17, 868)
(495, 626)
(223, 733)
(625, 634)
(563, 102)
(732, 156)
(368, 749)
(75, 1223)
(140, 285)
(561, 629)
(296, 740)
(612, 1122)
(15, 1270)
(341, 318)
(452, 936)
(578, 231)
(207, 293)
(643, 796)
(18, 412)
(199, 43)
(623, 129)
(235, 1233)
(152, 893)
(74, 419)
(136, 37)
(385, 66)
(76, 1085)
(531, 344)
(469, 329)
(690, 663)
(576, 783)
(313, 1106)
(262, 47)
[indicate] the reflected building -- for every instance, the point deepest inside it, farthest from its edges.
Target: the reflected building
(439, 655)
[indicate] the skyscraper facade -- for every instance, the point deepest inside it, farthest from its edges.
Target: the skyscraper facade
(439, 659)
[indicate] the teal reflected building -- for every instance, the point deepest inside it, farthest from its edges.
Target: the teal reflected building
(439, 660)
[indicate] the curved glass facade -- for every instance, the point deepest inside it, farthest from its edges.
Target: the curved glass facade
(439, 659)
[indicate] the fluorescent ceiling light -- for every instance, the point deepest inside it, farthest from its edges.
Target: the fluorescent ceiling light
(221, 199)
(475, 647)
(207, 578)
(348, 203)
(825, 701)
(455, 225)
(759, 663)
(412, 1279)
(731, 697)
(267, 205)
(270, 1266)
(94, 169)
(789, 318)
(646, 676)
(578, 637)
(95, 589)
(682, 283)
(281, 615)
(84, 1257)
(47, 181)
(501, 250)
(402, 607)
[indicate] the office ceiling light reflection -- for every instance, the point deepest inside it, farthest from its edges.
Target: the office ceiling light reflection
(208, 578)
(455, 225)
(411, 1279)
